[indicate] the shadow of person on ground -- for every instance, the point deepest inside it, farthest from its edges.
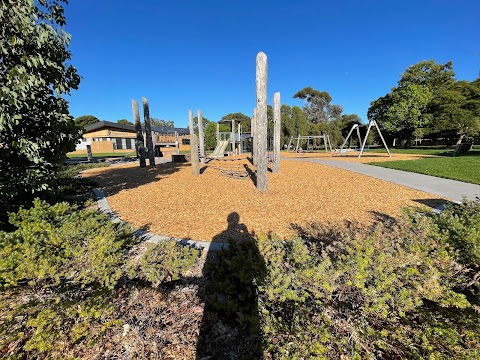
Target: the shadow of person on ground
(230, 327)
(115, 179)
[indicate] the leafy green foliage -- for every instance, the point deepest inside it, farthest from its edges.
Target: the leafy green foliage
(36, 130)
(124, 122)
(429, 101)
(318, 107)
(162, 123)
(460, 224)
(391, 292)
(85, 120)
(71, 260)
(165, 261)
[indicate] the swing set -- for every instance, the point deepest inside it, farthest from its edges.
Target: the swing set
(371, 124)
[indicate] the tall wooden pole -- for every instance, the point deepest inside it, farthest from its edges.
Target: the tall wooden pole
(148, 132)
(218, 133)
(232, 136)
(139, 143)
(177, 145)
(201, 136)
(276, 132)
(254, 137)
(261, 126)
(190, 122)
(194, 154)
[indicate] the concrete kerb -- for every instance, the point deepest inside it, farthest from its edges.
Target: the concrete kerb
(104, 206)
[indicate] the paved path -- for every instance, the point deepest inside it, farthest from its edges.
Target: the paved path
(451, 189)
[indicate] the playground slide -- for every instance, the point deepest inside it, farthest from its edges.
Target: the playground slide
(221, 149)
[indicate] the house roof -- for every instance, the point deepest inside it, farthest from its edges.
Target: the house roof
(108, 124)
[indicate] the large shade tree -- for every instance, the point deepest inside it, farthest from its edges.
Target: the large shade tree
(85, 120)
(318, 107)
(36, 130)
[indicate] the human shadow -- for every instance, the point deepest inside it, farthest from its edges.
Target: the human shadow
(115, 179)
(230, 327)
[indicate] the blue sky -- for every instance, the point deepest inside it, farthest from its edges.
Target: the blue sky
(191, 54)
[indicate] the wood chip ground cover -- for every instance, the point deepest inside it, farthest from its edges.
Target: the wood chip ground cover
(170, 201)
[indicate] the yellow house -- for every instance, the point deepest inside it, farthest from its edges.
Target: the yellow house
(108, 137)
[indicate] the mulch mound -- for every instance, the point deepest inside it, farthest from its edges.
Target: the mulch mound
(170, 201)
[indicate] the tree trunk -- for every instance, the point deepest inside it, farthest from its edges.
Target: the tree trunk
(139, 142)
(261, 128)
(276, 132)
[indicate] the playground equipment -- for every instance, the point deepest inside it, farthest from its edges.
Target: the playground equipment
(325, 138)
(219, 149)
(354, 126)
(371, 123)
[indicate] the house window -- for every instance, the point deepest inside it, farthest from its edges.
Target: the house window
(185, 141)
(124, 143)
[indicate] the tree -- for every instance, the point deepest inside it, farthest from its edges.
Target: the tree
(318, 107)
(195, 123)
(36, 130)
(241, 118)
(85, 120)
(429, 101)
(210, 136)
(124, 122)
(402, 112)
(162, 123)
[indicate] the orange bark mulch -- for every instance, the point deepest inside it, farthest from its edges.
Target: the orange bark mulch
(352, 156)
(170, 201)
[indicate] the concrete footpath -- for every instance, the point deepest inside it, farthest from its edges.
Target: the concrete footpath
(450, 189)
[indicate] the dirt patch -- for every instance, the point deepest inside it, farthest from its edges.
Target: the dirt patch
(169, 200)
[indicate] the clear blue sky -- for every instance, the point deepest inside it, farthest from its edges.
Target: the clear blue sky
(191, 54)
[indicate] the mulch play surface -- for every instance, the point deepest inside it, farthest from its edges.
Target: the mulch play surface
(170, 201)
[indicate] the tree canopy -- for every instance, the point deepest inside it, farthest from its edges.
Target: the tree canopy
(124, 122)
(36, 130)
(162, 123)
(318, 107)
(85, 120)
(428, 100)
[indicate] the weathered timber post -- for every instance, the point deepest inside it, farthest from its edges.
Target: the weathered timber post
(148, 132)
(177, 145)
(190, 122)
(89, 153)
(232, 136)
(261, 123)
(239, 138)
(201, 136)
(254, 137)
(276, 132)
(194, 154)
(218, 132)
(139, 144)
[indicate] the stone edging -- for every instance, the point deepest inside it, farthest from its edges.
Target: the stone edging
(104, 206)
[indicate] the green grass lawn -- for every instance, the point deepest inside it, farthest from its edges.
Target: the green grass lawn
(98, 155)
(420, 151)
(463, 168)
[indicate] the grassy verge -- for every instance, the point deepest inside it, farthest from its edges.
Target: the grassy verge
(417, 151)
(462, 168)
(97, 155)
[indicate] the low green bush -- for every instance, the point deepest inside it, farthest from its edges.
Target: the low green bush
(389, 292)
(63, 263)
(163, 262)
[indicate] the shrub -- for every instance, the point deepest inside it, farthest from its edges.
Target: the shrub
(58, 270)
(164, 261)
(389, 292)
(460, 224)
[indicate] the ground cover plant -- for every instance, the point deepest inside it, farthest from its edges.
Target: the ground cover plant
(405, 288)
(462, 168)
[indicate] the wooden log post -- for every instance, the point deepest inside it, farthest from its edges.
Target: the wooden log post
(177, 144)
(148, 132)
(194, 154)
(139, 142)
(254, 137)
(190, 122)
(201, 136)
(232, 136)
(276, 132)
(218, 133)
(261, 123)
